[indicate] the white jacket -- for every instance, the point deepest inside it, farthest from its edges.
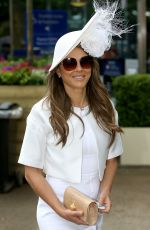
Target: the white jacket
(39, 147)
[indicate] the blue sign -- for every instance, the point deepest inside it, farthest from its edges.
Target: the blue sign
(48, 26)
(112, 67)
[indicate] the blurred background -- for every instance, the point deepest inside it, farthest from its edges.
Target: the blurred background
(28, 32)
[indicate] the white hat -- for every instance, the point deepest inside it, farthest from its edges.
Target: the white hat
(96, 36)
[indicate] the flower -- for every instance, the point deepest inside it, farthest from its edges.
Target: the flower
(21, 73)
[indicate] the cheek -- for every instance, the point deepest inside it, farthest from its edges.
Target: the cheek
(61, 69)
(64, 74)
(88, 73)
(65, 77)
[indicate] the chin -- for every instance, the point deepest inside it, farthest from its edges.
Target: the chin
(80, 85)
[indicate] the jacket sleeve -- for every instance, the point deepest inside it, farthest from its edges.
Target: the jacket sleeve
(116, 148)
(33, 148)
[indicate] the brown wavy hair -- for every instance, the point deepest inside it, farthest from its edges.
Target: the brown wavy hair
(98, 100)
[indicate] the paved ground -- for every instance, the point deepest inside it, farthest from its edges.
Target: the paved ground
(130, 196)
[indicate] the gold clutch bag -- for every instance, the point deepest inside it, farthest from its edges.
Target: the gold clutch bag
(75, 200)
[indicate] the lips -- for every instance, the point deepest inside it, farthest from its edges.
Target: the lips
(79, 77)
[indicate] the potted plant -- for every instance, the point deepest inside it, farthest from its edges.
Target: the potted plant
(132, 94)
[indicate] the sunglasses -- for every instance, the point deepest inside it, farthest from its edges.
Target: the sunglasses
(70, 64)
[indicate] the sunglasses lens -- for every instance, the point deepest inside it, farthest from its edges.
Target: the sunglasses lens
(86, 62)
(69, 64)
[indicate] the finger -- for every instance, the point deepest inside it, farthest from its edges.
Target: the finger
(77, 213)
(105, 208)
(108, 208)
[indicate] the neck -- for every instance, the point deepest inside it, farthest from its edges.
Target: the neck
(78, 97)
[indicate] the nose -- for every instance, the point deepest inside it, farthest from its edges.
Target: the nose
(79, 67)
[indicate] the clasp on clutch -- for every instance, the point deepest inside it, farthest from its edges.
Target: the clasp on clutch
(73, 207)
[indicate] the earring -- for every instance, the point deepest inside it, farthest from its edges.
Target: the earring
(59, 76)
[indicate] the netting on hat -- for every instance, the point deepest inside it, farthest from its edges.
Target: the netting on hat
(108, 22)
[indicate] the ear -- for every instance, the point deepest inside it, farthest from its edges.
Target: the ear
(58, 72)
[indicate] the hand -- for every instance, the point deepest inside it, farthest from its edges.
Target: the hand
(73, 216)
(105, 200)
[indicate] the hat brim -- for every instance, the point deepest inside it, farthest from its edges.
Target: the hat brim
(76, 37)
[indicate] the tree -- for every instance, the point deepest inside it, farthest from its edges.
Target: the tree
(29, 6)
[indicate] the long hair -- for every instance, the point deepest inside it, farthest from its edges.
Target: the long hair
(98, 99)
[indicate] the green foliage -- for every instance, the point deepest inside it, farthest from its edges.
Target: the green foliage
(40, 62)
(132, 93)
(23, 76)
(22, 72)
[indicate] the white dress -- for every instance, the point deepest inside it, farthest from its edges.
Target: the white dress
(89, 185)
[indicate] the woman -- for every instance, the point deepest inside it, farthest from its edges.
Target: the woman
(72, 135)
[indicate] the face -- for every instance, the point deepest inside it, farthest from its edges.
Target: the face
(77, 74)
